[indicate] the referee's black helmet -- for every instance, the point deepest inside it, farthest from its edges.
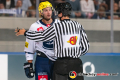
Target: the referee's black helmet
(64, 8)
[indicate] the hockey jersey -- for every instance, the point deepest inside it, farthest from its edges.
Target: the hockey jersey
(45, 47)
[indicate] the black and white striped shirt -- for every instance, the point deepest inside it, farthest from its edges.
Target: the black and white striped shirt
(70, 39)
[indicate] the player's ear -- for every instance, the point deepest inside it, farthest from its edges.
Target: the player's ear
(60, 15)
(41, 13)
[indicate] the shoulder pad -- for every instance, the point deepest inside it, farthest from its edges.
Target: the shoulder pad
(32, 27)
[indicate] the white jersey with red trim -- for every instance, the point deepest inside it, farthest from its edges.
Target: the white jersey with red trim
(45, 47)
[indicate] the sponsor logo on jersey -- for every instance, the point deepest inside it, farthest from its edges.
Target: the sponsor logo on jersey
(40, 29)
(48, 45)
(72, 40)
(42, 77)
(26, 44)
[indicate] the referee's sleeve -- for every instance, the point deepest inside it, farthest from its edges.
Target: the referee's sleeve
(46, 35)
(84, 42)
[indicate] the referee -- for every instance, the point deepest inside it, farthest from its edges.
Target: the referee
(70, 42)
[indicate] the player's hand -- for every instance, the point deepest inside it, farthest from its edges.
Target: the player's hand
(29, 72)
(20, 31)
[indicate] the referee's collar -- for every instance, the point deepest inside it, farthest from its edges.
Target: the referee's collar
(66, 20)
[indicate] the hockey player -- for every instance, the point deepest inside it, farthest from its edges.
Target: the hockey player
(44, 50)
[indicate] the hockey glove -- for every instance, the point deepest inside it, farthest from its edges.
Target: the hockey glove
(28, 67)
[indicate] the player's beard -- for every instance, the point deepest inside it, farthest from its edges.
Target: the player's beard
(47, 19)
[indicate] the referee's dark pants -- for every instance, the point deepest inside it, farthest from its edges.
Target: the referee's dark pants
(64, 66)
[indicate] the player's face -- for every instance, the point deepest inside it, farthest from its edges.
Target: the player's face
(47, 13)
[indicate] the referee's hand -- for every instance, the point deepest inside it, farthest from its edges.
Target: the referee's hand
(20, 31)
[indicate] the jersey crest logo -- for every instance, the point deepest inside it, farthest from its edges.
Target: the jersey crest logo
(40, 29)
(72, 40)
(48, 25)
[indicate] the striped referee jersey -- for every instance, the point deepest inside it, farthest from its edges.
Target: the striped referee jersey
(70, 39)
